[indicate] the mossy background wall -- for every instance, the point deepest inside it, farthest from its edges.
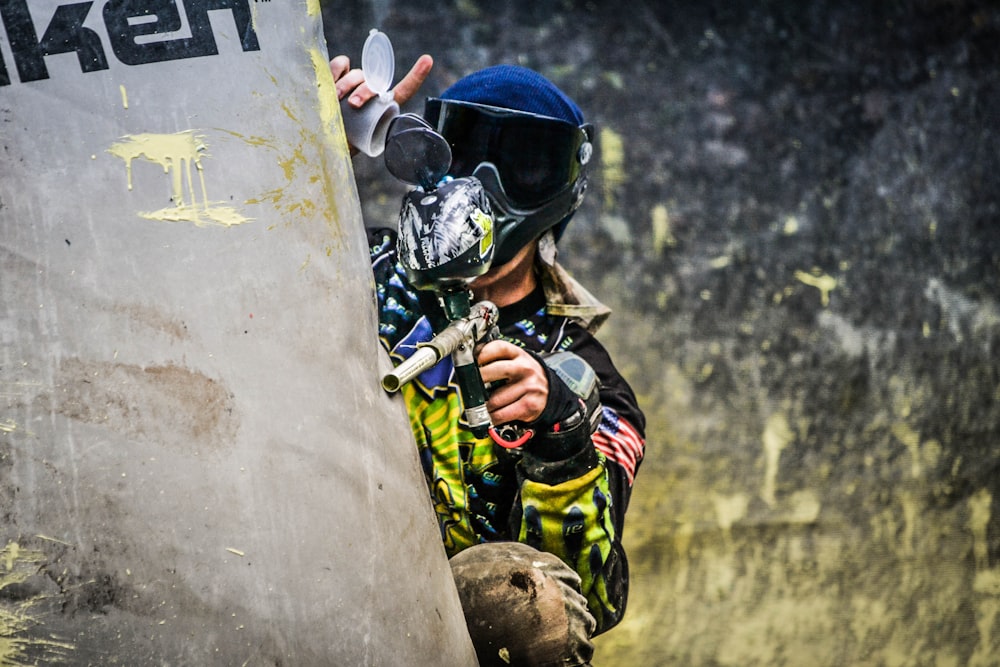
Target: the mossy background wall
(795, 217)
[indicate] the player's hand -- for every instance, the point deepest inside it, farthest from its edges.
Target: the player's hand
(524, 389)
(352, 81)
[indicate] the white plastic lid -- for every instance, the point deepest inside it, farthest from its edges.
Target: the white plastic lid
(378, 62)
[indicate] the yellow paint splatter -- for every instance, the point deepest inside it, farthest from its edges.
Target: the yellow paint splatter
(987, 580)
(987, 585)
(220, 216)
(911, 513)
(8, 426)
(824, 283)
(663, 236)
(791, 226)
(299, 161)
(18, 648)
(331, 125)
(124, 96)
(911, 439)
(980, 506)
(180, 156)
(329, 108)
(683, 537)
(777, 436)
(613, 165)
(290, 163)
(804, 507)
(729, 509)
(870, 617)
(922, 453)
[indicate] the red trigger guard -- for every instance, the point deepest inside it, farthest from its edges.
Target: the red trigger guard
(510, 444)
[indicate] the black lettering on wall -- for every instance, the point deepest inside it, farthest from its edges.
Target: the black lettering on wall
(123, 34)
(65, 34)
(126, 21)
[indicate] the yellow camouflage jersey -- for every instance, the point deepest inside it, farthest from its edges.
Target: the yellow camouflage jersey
(571, 504)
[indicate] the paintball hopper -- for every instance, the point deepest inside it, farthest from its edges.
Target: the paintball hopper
(368, 127)
(445, 224)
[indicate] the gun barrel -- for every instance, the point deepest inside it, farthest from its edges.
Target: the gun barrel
(428, 354)
(457, 333)
(424, 358)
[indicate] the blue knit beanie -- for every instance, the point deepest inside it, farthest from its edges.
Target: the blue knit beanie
(515, 87)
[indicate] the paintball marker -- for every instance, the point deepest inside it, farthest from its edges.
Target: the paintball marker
(458, 339)
(445, 242)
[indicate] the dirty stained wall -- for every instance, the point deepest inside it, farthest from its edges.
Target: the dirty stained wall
(795, 217)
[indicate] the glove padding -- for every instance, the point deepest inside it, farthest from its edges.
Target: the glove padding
(572, 412)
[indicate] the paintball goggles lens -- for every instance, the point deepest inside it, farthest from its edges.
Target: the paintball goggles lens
(537, 157)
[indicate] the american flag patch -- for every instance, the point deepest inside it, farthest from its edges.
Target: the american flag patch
(619, 441)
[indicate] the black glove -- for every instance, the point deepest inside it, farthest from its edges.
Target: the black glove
(560, 448)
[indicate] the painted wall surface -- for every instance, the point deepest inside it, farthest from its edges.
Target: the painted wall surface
(197, 463)
(795, 218)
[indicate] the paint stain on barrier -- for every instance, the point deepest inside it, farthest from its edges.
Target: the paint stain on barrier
(180, 156)
(19, 617)
(173, 406)
(329, 113)
(309, 190)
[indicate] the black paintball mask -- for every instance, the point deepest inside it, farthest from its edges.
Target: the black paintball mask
(533, 167)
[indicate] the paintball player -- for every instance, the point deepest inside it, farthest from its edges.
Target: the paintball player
(533, 531)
